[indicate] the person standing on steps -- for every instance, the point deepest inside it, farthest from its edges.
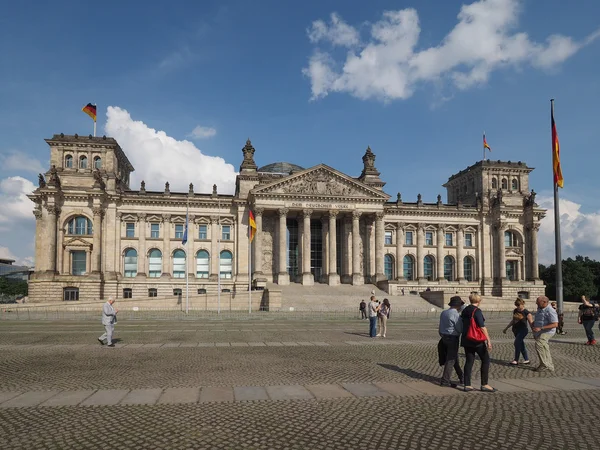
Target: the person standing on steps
(588, 317)
(544, 327)
(109, 318)
(363, 309)
(519, 323)
(373, 310)
(450, 329)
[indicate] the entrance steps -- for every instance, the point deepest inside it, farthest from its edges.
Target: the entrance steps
(322, 297)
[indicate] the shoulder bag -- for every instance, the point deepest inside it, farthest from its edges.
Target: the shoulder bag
(475, 334)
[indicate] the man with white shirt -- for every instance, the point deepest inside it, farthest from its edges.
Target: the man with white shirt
(109, 318)
(373, 308)
(544, 327)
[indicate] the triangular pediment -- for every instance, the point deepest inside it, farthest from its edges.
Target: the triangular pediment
(77, 242)
(320, 181)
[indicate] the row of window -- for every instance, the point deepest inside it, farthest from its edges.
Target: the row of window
(179, 230)
(409, 238)
(71, 294)
(179, 263)
(514, 184)
(83, 162)
(428, 267)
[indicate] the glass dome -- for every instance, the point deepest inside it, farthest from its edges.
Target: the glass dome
(280, 167)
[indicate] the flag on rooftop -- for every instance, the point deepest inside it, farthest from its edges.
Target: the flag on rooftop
(90, 110)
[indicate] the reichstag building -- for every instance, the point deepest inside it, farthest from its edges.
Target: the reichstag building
(97, 236)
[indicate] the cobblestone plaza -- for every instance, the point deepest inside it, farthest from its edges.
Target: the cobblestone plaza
(282, 384)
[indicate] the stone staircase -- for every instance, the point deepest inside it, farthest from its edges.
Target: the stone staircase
(322, 297)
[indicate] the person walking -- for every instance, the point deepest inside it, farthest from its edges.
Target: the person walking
(588, 317)
(450, 329)
(476, 341)
(383, 315)
(561, 320)
(109, 318)
(373, 309)
(544, 327)
(519, 323)
(362, 307)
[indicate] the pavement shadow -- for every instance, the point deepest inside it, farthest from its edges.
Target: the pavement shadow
(410, 373)
(357, 334)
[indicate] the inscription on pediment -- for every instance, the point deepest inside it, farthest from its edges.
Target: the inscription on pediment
(320, 183)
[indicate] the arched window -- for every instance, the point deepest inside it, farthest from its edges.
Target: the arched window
(515, 184)
(468, 268)
(83, 162)
(69, 162)
(80, 225)
(178, 264)
(449, 268)
(388, 266)
(510, 239)
(409, 267)
(494, 183)
(226, 263)
(504, 183)
(130, 263)
(97, 162)
(154, 263)
(202, 264)
(428, 267)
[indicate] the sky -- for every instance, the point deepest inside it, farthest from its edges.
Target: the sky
(182, 85)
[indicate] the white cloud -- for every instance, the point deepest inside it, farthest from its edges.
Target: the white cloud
(13, 198)
(5, 253)
(21, 162)
(388, 67)
(201, 132)
(578, 230)
(158, 158)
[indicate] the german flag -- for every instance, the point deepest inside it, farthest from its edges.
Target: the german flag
(558, 176)
(252, 225)
(90, 110)
(485, 144)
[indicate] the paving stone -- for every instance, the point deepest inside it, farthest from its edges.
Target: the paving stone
(428, 388)
(7, 395)
(565, 384)
(171, 344)
(152, 345)
(142, 397)
(28, 399)
(256, 344)
(321, 344)
(321, 391)
(239, 344)
(188, 344)
(68, 398)
(365, 390)
(398, 389)
(290, 344)
(504, 386)
(180, 395)
(135, 345)
(309, 344)
(216, 394)
(537, 385)
(595, 382)
(295, 392)
(274, 344)
(105, 397)
(206, 344)
(222, 344)
(248, 393)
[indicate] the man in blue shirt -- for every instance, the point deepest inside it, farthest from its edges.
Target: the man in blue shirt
(450, 330)
(544, 327)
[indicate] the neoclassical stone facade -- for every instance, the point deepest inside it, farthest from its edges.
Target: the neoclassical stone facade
(95, 236)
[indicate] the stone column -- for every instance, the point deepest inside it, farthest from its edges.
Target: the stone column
(440, 235)
(501, 251)
(190, 256)
(420, 252)
(334, 278)
(357, 277)
(325, 252)
(53, 213)
(400, 251)
(535, 270)
(460, 250)
(141, 271)
(307, 276)
(214, 248)
(39, 232)
(258, 252)
(97, 240)
(283, 277)
(117, 251)
(166, 261)
(371, 248)
(379, 246)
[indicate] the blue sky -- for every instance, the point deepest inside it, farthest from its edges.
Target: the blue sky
(422, 81)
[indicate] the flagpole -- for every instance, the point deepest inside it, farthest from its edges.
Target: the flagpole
(483, 146)
(219, 258)
(249, 264)
(95, 119)
(557, 249)
(187, 251)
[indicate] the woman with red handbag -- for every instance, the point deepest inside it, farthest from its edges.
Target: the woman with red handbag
(476, 340)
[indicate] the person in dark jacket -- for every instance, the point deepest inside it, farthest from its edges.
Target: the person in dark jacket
(472, 347)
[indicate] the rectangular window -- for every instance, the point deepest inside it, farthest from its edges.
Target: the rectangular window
(152, 292)
(127, 293)
(226, 233)
(71, 294)
(154, 230)
(468, 239)
(388, 238)
(202, 232)
(429, 238)
(449, 239)
(78, 262)
(130, 229)
(179, 231)
(409, 238)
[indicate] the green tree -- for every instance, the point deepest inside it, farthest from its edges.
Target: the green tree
(13, 287)
(581, 276)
